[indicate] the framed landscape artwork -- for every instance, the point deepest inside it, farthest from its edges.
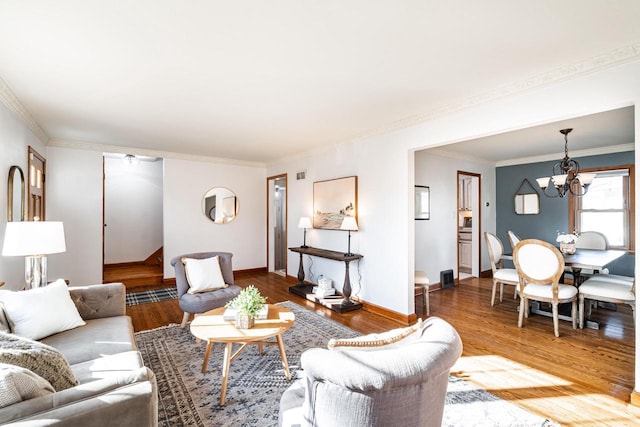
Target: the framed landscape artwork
(333, 200)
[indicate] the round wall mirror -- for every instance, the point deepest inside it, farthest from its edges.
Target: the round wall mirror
(220, 205)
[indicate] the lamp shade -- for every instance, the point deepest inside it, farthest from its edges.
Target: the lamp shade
(305, 222)
(27, 238)
(349, 223)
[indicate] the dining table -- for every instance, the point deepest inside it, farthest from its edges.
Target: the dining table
(590, 259)
(582, 259)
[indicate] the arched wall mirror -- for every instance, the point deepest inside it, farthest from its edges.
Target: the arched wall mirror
(220, 205)
(15, 195)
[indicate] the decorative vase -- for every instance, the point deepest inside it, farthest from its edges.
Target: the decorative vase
(244, 321)
(568, 248)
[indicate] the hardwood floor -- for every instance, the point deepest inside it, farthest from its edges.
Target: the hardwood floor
(582, 378)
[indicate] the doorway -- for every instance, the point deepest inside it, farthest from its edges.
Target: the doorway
(132, 220)
(277, 224)
(468, 224)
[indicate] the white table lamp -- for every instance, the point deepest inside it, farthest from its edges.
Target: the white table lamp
(305, 222)
(349, 223)
(34, 240)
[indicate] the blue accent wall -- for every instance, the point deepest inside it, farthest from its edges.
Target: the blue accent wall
(554, 212)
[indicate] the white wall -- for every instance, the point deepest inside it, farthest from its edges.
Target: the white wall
(133, 210)
(74, 196)
(15, 138)
(187, 229)
(384, 165)
(436, 243)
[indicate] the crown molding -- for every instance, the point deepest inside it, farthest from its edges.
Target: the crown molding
(105, 148)
(12, 102)
(574, 155)
(612, 58)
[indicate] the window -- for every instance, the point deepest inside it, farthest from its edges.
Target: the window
(607, 207)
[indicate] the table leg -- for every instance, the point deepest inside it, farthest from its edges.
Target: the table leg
(225, 372)
(206, 356)
(577, 278)
(283, 356)
(301, 272)
(346, 288)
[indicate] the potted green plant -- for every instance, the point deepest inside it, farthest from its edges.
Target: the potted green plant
(248, 303)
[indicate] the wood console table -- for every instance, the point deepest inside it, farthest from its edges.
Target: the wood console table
(305, 290)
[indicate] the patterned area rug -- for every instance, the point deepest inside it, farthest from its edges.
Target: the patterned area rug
(187, 397)
(153, 295)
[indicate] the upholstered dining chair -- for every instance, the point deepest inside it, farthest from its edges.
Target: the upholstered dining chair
(540, 266)
(503, 276)
(602, 288)
(203, 301)
(421, 282)
(513, 239)
(590, 240)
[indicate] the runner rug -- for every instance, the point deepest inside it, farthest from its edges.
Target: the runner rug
(187, 397)
(153, 295)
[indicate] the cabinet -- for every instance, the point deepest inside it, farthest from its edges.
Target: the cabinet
(464, 256)
(464, 194)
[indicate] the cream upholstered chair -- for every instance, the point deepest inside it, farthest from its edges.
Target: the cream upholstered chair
(421, 281)
(590, 240)
(603, 288)
(201, 302)
(540, 266)
(396, 383)
(504, 276)
(513, 239)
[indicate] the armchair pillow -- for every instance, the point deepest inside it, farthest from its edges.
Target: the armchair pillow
(203, 275)
(380, 341)
(40, 312)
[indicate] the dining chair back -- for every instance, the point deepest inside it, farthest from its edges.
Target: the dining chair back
(503, 276)
(540, 266)
(592, 240)
(513, 239)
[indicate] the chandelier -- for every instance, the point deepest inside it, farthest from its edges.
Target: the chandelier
(566, 177)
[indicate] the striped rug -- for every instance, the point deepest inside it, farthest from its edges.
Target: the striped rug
(153, 295)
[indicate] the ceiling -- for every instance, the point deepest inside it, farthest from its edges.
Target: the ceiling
(259, 80)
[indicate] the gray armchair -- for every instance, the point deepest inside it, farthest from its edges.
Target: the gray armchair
(402, 385)
(205, 301)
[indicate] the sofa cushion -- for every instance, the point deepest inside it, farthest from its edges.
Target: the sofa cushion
(203, 275)
(42, 359)
(123, 400)
(99, 337)
(114, 365)
(378, 341)
(40, 312)
(18, 384)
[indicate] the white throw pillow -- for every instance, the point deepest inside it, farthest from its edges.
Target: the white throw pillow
(203, 275)
(40, 312)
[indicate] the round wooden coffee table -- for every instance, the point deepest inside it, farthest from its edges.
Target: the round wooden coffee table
(212, 327)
